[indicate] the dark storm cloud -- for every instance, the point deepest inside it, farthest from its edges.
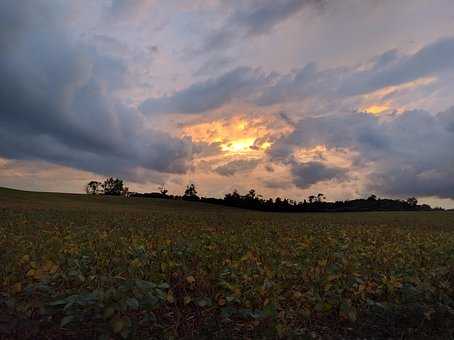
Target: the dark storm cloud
(432, 59)
(410, 154)
(310, 173)
(208, 95)
(385, 70)
(245, 83)
(58, 103)
(334, 131)
(298, 85)
(235, 166)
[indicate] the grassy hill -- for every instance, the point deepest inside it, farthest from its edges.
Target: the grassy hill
(84, 266)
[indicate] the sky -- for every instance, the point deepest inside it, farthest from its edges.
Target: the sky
(289, 97)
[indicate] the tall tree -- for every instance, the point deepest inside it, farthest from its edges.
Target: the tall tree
(191, 193)
(163, 190)
(412, 201)
(113, 187)
(93, 188)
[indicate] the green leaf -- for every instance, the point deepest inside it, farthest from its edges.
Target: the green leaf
(132, 303)
(145, 285)
(269, 310)
(64, 301)
(164, 286)
(58, 302)
(227, 311)
(66, 320)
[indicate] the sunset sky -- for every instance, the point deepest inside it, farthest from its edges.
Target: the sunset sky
(290, 97)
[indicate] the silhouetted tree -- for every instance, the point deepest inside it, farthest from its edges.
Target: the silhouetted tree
(190, 193)
(320, 197)
(412, 201)
(251, 195)
(314, 203)
(163, 190)
(113, 187)
(233, 197)
(93, 188)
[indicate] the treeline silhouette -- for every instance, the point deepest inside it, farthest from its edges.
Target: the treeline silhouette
(254, 201)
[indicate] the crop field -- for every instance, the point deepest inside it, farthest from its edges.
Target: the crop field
(77, 266)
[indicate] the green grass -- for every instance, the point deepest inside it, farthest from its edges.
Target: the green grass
(81, 266)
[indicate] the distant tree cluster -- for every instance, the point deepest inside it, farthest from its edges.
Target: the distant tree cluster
(111, 187)
(318, 203)
(252, 200)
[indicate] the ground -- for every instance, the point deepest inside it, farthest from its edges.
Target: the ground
(111, 267)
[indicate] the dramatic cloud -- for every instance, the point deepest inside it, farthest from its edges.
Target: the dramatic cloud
(407, 155)
(388, 69)
(235, 166)
(304, 96)
(208, 95)
(307, 174)
(246, 84)
(58, 100)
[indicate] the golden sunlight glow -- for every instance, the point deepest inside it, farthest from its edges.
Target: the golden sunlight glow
(239, 145)
(236, 135)
(376, 109)
(265, 145)
(242, 125)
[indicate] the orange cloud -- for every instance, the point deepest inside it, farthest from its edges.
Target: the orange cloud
(376, 109)
(237, 135)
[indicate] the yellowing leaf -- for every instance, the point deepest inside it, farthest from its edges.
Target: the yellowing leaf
(117, 325)
(297, 295)
(190, 279)
(170, 298)
(187, 300)
(53, 269)
(17, 287)
(135, 263)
